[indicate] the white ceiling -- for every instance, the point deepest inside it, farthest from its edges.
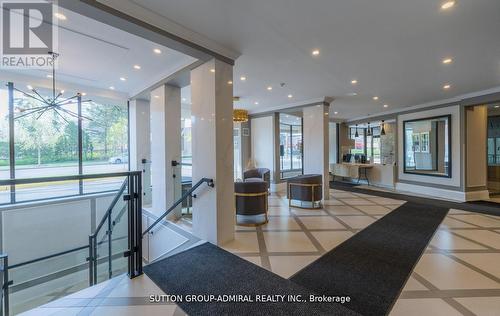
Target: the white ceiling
(93, 54)
(394, 49)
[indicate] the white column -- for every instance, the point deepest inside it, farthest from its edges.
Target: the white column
(140, 146)
(165, 148)
(212, 132)
(316, 143)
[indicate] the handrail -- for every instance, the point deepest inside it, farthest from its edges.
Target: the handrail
(210, 183)
(17, 265)
(67, 178)
(110, 208)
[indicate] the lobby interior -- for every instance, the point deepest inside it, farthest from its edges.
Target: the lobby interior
(255, 148)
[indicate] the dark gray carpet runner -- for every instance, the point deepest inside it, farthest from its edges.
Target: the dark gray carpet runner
(371, 268)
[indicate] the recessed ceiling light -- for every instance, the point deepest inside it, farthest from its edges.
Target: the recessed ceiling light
(386, 105)
(315, 52)
(448, 4)
(123, 79)
(447, 61)
(60, 16)
(269, 88)
(290, 96)
(243, 78)
(111, 88)
(256, 103)
(230, 82)
(50, 76)
(375, 98)
(354, 81)
(446, 86)
(137, 67)
(157, 51)
(212, 70)
(335, 112)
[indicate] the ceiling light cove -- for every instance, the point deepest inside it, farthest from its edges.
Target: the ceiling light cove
(60, 16)
(354, 81)
(157, 51)
(447, 61)
(447, 5)
(447, 86)
(315, 52)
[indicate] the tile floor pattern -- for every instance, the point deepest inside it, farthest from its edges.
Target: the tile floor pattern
(458, 274)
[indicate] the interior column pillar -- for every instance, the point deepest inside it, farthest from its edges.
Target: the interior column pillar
(212, 141)
(140, 144)
(166, 148)
(316, 143)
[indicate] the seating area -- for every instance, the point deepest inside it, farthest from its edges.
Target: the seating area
(305, 189)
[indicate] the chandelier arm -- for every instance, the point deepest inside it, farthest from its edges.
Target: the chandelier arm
(43, 112)
(32, 112)
(38, 94)
(57, 97)
(68, 99)
(61, 115)
(74, 114)
(31, 96)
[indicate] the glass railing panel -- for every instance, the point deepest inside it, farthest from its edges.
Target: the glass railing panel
(111, 246)
(46, 190)
(101, 185)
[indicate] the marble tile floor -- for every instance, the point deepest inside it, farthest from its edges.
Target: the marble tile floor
(458, 274)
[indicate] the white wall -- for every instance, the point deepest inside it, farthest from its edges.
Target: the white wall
(263, 142)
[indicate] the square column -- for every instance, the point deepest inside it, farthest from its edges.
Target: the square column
(165, 148)
(212, 132)
(140, 146)
(316, 143)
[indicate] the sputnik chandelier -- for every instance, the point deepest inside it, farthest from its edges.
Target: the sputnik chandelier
(54, 103)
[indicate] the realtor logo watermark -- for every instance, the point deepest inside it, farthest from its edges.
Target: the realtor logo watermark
(29, 33)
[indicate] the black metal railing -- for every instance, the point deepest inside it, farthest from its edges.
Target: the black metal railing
(131, 193)
(189, 193)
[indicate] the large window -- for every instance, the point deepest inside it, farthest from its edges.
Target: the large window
(290, 145)
(366, 143)
(51, 142)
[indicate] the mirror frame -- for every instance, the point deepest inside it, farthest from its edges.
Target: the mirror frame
(448, 117)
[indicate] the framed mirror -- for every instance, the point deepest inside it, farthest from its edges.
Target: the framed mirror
(427, 146)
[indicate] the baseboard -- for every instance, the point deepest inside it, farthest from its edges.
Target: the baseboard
(444, 194)
(477, 195)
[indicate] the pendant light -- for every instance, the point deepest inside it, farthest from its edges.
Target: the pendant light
(356, 134)
(368, 130)
(382, 131)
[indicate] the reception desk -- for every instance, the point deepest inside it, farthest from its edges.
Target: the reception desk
(380, 175)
